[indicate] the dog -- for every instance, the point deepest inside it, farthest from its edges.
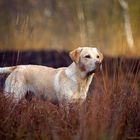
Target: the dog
(68, 84)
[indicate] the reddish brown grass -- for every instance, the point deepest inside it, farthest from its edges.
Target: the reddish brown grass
(112, 112)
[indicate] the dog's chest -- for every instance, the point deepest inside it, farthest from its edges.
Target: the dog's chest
(81, 91)
(70, 86)
(78, 91)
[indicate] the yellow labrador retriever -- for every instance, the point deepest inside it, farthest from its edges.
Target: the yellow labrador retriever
(63, 84)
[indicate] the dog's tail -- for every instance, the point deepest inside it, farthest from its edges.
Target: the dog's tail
(7, 70)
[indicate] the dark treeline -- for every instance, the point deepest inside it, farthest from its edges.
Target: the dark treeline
(48, 58)
(61, 59)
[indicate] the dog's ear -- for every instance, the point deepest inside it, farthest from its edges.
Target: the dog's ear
(100, 54)
(75, 55)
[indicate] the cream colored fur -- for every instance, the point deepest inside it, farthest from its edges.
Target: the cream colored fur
(68, 84)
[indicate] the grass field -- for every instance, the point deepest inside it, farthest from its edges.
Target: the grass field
(111, 112)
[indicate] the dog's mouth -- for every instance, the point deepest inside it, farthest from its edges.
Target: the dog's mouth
(91, 72)
(97, 69)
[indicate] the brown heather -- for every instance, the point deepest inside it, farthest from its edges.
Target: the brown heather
(111, 112)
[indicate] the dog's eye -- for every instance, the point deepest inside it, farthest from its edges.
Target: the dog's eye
(97, 56)
(88, 56)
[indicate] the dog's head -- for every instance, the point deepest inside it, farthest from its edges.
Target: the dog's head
(88, 59)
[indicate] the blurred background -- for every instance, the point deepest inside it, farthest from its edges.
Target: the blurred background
(110, 25)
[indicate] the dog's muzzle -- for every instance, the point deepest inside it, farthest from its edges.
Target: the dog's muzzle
(98, 68)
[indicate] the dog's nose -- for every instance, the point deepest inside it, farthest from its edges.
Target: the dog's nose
(98, 63)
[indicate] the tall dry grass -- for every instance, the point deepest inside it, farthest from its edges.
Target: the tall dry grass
(111, 112)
